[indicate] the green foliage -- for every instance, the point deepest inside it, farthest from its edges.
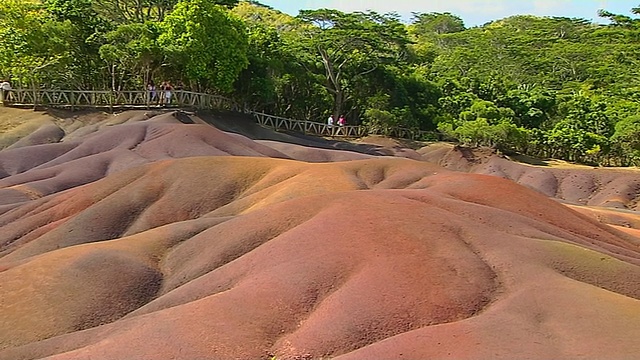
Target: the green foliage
(502, 134)
(256, 14)
(435, 23)
(486, 110)
(562, 84)
(380, 121)
(130, 11)
(551, 87)
(133, 48)
(569, 142)
(626, 140)
(34, 46)
(256, 84)
(342, 49)
(275, 80)
(531, 108)
(215, 61)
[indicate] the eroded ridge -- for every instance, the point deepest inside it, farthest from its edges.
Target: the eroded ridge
(219, 256)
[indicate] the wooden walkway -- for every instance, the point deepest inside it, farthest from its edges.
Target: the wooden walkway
(77, 99)
(122, 100)
(308, 127)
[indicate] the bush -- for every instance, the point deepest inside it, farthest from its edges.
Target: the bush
(379, 121)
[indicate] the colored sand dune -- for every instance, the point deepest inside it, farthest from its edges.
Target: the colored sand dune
(159, 236)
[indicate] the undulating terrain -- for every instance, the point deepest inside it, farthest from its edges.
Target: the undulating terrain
(150, 235)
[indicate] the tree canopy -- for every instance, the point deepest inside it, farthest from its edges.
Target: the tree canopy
(208, 42)
(544, 86)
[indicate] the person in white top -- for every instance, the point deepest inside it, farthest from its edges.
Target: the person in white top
(330, 121)
(5, 88)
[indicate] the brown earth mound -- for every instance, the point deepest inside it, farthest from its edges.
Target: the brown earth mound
(16, 125)
(581, 185)
(158, 239)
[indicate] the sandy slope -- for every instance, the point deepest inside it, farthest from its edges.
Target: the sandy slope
(156, 239)
(581, 185)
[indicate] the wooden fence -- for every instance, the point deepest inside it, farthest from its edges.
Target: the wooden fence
(76, 99)
(114, 99)
(351, 131)
(308, 127)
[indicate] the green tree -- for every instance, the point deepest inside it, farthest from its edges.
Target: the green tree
(343, 47)
(255, 13)
(626, 140)
(532, 107)
(140, 11)
(85, 28)
(620, 19)
(273, 81)
(435, 23)
(276, 80)
(207, 41)
(133, 50)
(34, 46)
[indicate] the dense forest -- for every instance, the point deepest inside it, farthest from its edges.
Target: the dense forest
(550, 87)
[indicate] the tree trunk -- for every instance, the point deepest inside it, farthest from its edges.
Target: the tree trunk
(35, 94)
(333, 82)
(337, 104)
(113, 77)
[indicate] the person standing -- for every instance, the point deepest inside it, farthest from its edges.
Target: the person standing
(5, 88)
(167, 93)
(341, 123)
(330, 121)
(151, 88)
(161, 99)
(330, 124)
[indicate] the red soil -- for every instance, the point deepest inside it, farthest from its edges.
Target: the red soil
(154, 239)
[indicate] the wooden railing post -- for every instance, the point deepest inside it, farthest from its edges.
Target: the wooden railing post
(35, 97)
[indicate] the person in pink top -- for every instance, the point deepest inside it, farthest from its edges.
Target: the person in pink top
(342, 121)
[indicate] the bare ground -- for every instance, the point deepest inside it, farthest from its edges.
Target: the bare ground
(156, 235)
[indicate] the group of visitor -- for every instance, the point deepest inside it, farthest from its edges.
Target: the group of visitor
(341, 121)
(161, 95)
